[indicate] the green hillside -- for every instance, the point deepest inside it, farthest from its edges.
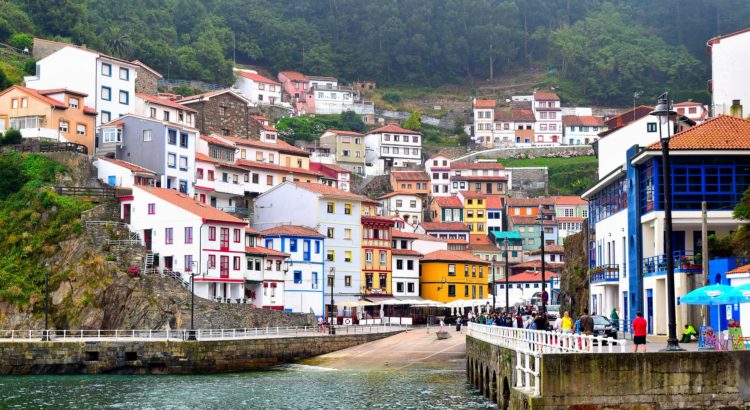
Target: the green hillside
(567, 176)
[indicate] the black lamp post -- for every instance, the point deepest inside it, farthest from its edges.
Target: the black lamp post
(332, 315)
(540, 218)
(664, 111)
(45, 334)
(507, 277)
(191, 333)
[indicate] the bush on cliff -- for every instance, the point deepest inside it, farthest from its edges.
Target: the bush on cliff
(33, 220)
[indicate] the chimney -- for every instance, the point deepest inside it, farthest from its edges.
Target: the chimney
(736, 109)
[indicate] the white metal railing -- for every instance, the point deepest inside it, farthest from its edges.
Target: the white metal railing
(534, 344)
(201, 334)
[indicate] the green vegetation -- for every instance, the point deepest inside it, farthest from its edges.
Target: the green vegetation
(11, 137)
(310, 128)
(33, 220)
(603, 48)
(414, 122)
(738, 242)
(567, 176)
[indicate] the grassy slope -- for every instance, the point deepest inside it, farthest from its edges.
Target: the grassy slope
(567, 176)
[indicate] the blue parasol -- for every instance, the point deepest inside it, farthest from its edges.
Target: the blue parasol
(715, 295)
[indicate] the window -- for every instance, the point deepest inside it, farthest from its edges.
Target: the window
(269, 180)
(222, 110)
(466, 290)
(212, 261)
(124, 74)
(410, 287)
(413, 204)
(107, 70)
(210, 175)
(400, 287)
(298, 276)
(331, 207)
(183, 163)
(106, 93)
(146, 135)
(211, 233)
(331, 232)
(452, 290)
(315, 280)
(73, 102)
(410, 265)
(651, 127)
(330, 255)
(151, 209)
(383, 258)
(237, 236)
(236, 263)
(166, 115)
(368, 256)
(347, 256)
(474, 271)
(188, 263)
(63, 127)
(347, 280)
(347, 209)
(347, 233)
(124, 97)
(466, 270)
(183, 140)
(152, 112)
(168, 236)
(399, 263)
(451, 270)
(14, 103)
(171, 160)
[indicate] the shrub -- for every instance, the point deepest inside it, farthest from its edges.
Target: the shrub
(12, 137)
(21, 41)
(391, 97)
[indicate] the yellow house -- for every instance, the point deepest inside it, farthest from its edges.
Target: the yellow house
(446, 276)
(376, 251)
(57, 115)
(475, 211)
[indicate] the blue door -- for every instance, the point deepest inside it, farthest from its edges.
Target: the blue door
(112, 180)
(625, 321)
(650, 310)
(306, 250)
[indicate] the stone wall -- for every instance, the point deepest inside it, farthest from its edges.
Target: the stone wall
(235, 119)
(42, 49)
(146, 81)
(529, 181)
(680, 380)
(167, 357)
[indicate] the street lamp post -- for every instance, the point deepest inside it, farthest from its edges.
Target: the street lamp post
(664, 111)
(191, 333)
(540, 218)
(45, 335)
(507, 277)
(332, 315)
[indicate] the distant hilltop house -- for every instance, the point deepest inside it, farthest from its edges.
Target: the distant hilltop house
(258, 89)
(310, 94)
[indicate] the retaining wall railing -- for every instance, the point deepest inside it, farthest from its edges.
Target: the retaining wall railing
(58, 335)
(531, 345)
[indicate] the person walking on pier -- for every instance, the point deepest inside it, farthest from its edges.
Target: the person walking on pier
(639, 332)
(566, 324)
(458, 323)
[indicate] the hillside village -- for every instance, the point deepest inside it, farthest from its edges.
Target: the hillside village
(227, 207)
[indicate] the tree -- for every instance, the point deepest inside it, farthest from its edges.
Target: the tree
(414, 122)
(21, 41)
(12, 177)
(351, 121)
(741, 238)
(12, 137)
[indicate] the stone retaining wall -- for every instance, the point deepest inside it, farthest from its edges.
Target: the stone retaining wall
(167, 357)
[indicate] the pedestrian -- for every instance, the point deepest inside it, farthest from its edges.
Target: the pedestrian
(519, 319)
(482, 320)
(558, 324)
(587, 323)
(566, 324)
(615, 319)
(498, 320)
(541, 321)
(577, 326)
(639, 332)
(458, 323)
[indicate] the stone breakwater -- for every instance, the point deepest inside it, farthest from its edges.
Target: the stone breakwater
(168, 357)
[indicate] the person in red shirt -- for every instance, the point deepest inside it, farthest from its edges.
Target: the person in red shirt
(639, 332)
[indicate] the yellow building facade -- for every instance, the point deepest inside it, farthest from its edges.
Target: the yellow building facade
(447, 276)
(475, 211)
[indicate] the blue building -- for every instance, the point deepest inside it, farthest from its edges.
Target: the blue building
(304, 281)
(711, 163)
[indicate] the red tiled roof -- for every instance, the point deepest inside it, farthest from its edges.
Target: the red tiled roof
(720, 133)
(250, 230)
(393, 129)
(410, 176)
(479, 178)
(568, 200)
(688, 104)
(210, 94)
(528, 202)
(538, 264)
(340, 132)
(164, 101)
(318, 166)
(740, 269)
(89, 110)
(494, 202)
(480, 239)
(329, 191)
(523, 115)
(128, 165)
(448, 202)
(472, 195)
(394, 193)
(484, 103)
(257, 77)
(142, 64)
(627, 117)
(259, 250)
(279, 145)
(294, 76)
(416, 236)
(477, 165)
(259, 118)
(546, 96)
(37, 95)
(557, 249)
(216, 141)
(292, 230)
(407, 252)
(61, 90)
(529, 276)
(205, 158)
(523, 220)
(570, 219)
(444, 226)
(263, 165)
(270, 128)
(582, 120)
(189, 204)
(453, 256)
(717, 39)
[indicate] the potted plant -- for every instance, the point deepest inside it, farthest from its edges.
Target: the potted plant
(685, 262)
(134, 271)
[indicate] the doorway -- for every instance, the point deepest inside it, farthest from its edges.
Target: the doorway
(147, 239)
(126, 211)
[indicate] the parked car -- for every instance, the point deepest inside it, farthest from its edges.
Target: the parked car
(553, 312)
(603, 327)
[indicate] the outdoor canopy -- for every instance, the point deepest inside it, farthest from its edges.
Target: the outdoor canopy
(715, 295)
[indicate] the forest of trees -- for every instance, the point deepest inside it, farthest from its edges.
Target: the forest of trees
(601, 50)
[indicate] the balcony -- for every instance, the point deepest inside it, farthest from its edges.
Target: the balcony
(684, 261)
(605, 274)
(235, 210)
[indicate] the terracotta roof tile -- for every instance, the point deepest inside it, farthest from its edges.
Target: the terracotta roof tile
(494, 202)
(128, 165)
(395, 193)
(720, 133)
(329, 191)
(717, 39)
(37, 95)
(557, 249)
(570, 219)
(259, 250)
(292, 230)
(477, 165)
(61, 90)
(529, 276)
(527, 202)
(415, 236)
(393, 129)
(410, 176)
(523, 115)
(279, 145)
(294, 76)
(406, 252)
(341, 132)
(216, 141)
(257, 77)
(627, 117)
(274, 167)
(191, 205)
(484, 103)
(688, 104)
(453, 256)
(568, 200)
(472, 195)
(740, 269)
(546, 96)
(448, 202)
(164, 102)
(582, 120)
(479, 178)
(444, 226)
(538, 264)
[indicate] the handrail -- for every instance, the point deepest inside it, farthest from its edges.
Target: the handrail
(684, 261)
(201, 334)
(543, 341)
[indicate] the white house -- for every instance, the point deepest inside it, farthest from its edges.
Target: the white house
(730, 66)
(189, 238)
(484, 119)
(421, 243)
(407, 206)
(124, 174)
(404, 267)
(581, 129)
(694, 110)
(328, 97)
(525, 286)
(438, 167)
(304, 280)
(548, 126)
(333, 213)
(391, 147)
(109, 82)
(257, 88)
(164, 109)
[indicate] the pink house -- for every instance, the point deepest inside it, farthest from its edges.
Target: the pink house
(339, 177)
(296, 85)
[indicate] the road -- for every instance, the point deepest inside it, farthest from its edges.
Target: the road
(415, 349)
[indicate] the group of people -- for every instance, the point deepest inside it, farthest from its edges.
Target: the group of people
(564, 324)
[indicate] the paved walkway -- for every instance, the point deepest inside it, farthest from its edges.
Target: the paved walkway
(415, 349)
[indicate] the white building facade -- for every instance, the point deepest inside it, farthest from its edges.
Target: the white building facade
(391, 147)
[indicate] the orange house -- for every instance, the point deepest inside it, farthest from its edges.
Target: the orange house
(57, 115)
(410, 182)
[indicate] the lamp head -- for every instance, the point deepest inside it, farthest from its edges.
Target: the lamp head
(663, 109)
